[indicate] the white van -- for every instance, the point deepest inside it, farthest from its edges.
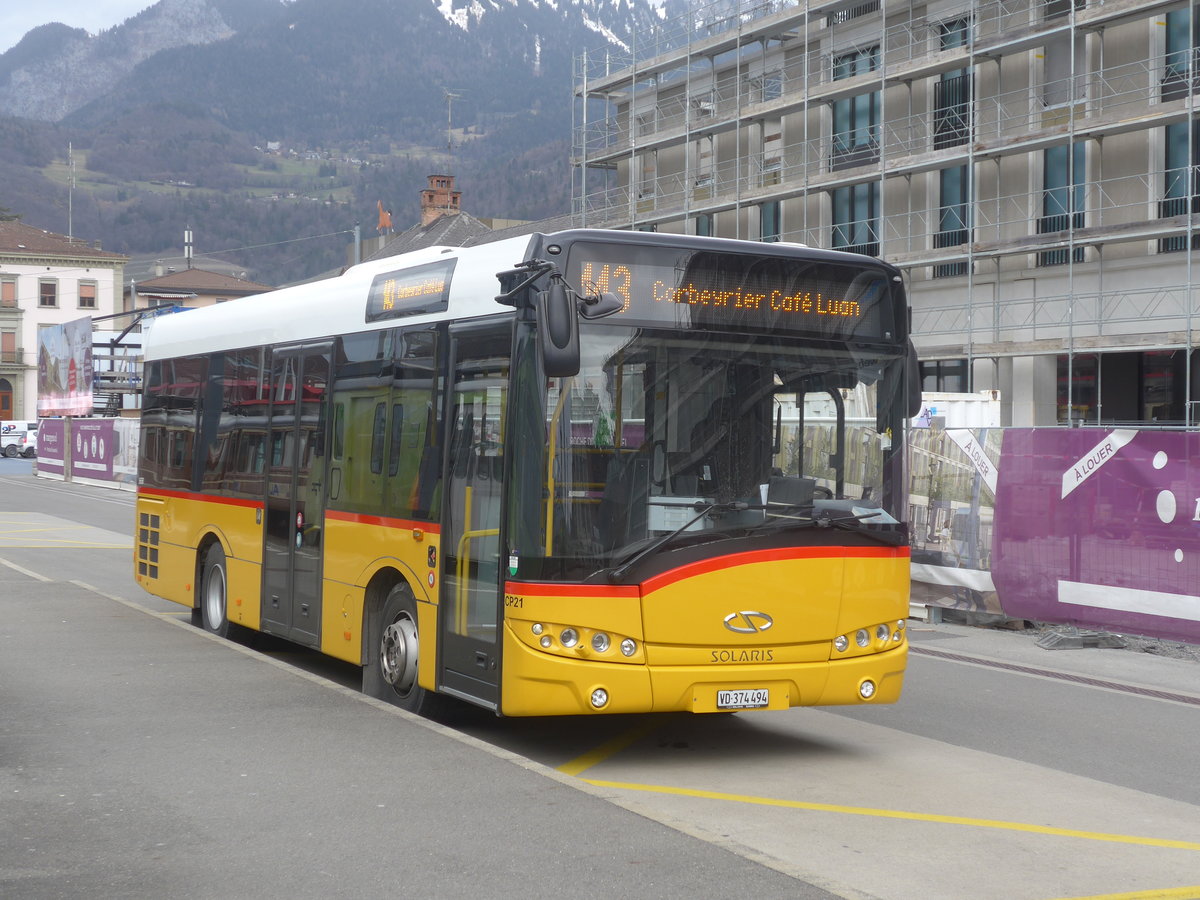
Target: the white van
(18, 438)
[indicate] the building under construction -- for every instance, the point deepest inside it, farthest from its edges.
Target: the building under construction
(1031, 165)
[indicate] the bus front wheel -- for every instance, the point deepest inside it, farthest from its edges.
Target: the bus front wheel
(214, 593)
(391, 671)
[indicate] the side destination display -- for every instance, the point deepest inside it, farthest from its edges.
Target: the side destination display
(410, 292)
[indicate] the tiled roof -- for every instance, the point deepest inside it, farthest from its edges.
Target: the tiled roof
(453, 230)
(200, 281)
(18, 239)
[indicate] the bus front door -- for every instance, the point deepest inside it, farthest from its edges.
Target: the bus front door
(471, 585)
(295, 494)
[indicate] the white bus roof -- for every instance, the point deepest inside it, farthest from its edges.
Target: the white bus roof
(334, 305)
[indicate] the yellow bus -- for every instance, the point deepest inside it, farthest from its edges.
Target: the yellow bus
(572, 473)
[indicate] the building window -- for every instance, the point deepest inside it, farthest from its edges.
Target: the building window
(952, 92)
(954, 217)
(87, 295)
(947, 376)
(1056, 8)
(772, 152)
(704, 226)
(1183, 37)
(8, 293)
(853, 12)
(855, 119)
(8, 347)
(1181, 184)
(1123, 388)
(856, 218)
(1063, 203)
(769, 86)
(768, 213)
(47, 293)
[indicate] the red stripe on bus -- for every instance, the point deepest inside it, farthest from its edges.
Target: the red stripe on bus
(701, 568)
(196, 495)
(776, 555)
(382, 521)
(571, 590)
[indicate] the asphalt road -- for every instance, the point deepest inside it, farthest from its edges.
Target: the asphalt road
(140, 757)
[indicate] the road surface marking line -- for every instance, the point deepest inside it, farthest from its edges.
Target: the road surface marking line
(1183, 893)
(605, 750)
(24, 571)
(901, 814)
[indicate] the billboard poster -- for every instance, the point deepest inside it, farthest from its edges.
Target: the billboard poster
(1100, 529)
(64, 357)
(92, 447)
(52, 445)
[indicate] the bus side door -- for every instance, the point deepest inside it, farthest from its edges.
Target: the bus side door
(295, 493)
(471, 582)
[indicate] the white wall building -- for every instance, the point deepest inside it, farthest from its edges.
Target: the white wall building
(46, 279)
(1032, 165)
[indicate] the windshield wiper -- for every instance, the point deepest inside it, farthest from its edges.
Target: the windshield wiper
(702, 509)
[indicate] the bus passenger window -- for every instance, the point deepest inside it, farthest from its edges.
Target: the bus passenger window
(378, 434)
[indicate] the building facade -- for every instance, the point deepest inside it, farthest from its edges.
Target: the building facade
(45, 279)
(1033, 166)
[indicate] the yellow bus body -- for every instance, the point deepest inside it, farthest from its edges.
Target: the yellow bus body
(685, 651)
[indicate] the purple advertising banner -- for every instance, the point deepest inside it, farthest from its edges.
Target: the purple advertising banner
(1100, 529)
(52, 445)
(92, 446)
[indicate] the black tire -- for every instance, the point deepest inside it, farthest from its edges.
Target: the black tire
(392, 646)
(12, 451)
(214, 593)
(29, 453)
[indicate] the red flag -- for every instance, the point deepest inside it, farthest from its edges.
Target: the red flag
(385, 217)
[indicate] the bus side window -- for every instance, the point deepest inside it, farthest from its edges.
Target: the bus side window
(339, 431)
(378, 437)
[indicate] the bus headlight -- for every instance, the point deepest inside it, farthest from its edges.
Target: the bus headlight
(628, 647)
(862, 637)
(600, 642)
(882, 633)
(841, 642)
(569, 637)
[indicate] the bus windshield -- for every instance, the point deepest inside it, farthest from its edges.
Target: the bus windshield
(682, 437)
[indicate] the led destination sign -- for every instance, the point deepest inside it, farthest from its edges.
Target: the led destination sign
(706, 289)
(410, 292)
(807, 303)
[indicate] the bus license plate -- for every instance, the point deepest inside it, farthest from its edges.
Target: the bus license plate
(743, 699)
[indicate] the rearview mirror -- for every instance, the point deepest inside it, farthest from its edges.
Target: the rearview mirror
(558, 330)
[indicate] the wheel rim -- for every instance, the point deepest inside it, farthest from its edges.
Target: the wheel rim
(398, 654)
(214, 597)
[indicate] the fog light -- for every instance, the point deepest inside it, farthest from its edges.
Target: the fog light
(599, 698)
(569, 637)
(546, 640)
(841, 642)
(600, 642)
(629, 646)
(861, 637)
(866, 690)
(882, 633)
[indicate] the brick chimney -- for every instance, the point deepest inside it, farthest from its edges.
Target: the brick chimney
(439, 199)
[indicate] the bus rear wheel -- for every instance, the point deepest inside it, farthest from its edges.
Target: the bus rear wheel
(214, 593)
(394, 642)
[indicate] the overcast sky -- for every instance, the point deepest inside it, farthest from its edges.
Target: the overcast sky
(19, 16)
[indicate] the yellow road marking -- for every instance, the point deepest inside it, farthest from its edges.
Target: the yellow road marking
(1183, 893)
(605, 750)
(901, 814)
